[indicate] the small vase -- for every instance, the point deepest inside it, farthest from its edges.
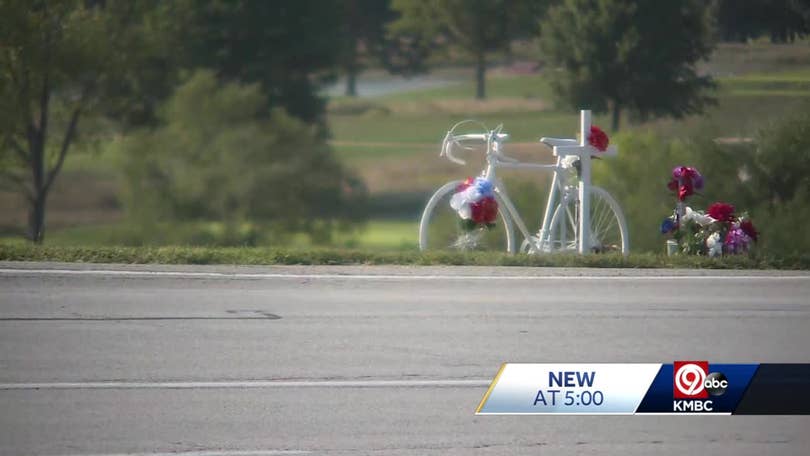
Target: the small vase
(672, 247)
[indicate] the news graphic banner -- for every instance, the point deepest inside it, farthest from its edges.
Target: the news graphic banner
(683, 387)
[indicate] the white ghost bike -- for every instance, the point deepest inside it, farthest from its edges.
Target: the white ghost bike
(564, 217)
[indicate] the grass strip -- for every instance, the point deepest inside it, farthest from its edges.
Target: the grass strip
(276, 256)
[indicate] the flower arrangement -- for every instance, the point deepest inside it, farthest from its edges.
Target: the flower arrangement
(715, 232)
(474, 201)
(685, 180)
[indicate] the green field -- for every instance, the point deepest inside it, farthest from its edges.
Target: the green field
(374, 235)
(392, 142)
(744, 102)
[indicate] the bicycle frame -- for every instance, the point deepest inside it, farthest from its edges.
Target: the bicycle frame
(494, 162)
(560, 147)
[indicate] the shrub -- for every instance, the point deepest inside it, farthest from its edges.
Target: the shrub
(219, 156)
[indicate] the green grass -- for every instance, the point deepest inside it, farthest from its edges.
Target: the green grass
(103, 158)
(430, 128)
(784, 84)
(801, 76)
(375, 234)
(386, 234)
(363, 153)
(758, 57)
(523, 86)
(272, 256)
(744, 104)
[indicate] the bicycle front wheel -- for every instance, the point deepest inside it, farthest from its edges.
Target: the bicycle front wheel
(440, 227)
(608, 228)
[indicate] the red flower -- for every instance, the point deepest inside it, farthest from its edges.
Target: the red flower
(685, 190)
(598, 138)
(484, 210)
(748, 228)
(722, 212)
(685, 180)
(463, 186)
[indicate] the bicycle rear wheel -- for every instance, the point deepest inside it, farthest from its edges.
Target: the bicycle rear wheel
(608, 230)
(440, 227)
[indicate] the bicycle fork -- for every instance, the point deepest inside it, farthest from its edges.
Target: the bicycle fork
(543, 232)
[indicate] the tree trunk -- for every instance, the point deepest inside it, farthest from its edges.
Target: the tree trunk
(616, 116)
(36, 209)
(36, 219)
(43, 179)
(351, 58)
(351, 81)
(480, 76)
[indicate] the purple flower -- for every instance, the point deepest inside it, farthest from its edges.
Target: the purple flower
(697, 181)
(736, 241)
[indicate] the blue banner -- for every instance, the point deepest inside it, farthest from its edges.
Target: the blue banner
(683, 387)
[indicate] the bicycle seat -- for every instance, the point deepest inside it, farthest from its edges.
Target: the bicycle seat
(551, 142)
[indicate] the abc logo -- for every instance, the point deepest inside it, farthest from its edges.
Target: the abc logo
(716, 384)
(692, 380)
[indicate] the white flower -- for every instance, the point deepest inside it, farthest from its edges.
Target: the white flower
(461, 201)
(698, 217)
(715, 245)
(568, 161)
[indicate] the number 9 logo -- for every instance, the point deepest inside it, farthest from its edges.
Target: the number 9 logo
(689, 379)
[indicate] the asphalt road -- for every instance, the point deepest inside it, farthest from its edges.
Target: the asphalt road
(100, 360)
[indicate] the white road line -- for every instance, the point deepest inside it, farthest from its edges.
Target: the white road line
(442, 383)
(239, 275)
(205, 453)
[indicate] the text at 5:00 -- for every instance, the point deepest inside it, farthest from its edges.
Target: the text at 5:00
(554, 397)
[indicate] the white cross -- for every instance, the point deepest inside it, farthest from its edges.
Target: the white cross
(584, 151)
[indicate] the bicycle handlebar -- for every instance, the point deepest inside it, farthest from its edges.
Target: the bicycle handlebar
(480, 136)
(447, 150)
(449, 139)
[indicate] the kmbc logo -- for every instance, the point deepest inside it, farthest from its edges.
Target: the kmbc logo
(692, 380)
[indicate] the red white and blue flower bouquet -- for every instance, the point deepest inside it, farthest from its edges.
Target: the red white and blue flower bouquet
(474, 201)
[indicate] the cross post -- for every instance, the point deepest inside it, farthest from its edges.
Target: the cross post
(584, 182)
(584, 150)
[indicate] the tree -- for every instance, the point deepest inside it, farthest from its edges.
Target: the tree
(154, 55)
(477, 27)
(57, 58)
(363, 36)
(782, 20)
(219, 155)
(289, 47)
(638, 55)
